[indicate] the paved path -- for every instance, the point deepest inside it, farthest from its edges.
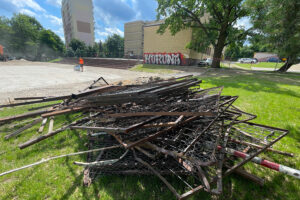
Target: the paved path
(294, 68)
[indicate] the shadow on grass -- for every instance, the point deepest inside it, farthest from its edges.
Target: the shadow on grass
(273, 189)
(77, 183)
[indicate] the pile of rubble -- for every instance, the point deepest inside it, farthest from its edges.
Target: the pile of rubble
(164, 127)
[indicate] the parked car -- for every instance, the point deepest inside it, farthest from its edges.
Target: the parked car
(205, 62)
(247, 60)
(273, 60)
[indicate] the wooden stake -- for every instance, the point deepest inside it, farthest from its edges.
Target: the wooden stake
(41, 129)
(51, 124)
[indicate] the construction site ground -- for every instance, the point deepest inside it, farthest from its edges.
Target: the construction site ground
(24, 78)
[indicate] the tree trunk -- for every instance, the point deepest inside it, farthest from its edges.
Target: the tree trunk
(287, 65)
(219, 48)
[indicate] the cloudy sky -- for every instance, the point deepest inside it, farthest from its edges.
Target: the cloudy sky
(110, 15)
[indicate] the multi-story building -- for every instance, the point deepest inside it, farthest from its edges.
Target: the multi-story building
(143, 41)
(78, 20)
(134, 39)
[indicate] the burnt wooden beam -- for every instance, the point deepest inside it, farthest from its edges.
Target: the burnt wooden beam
(140, 114)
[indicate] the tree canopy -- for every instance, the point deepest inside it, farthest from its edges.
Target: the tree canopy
(24, 36)
(279, 22)
(212, 22)
(113, 47)
(238, 49)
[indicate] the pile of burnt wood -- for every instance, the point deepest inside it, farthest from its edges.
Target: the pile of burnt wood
(168, 128)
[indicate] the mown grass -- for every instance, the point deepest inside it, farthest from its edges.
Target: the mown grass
(273, 97)
(260, 65)
(160, 69)
(55, 60)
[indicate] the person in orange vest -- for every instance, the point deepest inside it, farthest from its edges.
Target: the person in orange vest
(81, 62)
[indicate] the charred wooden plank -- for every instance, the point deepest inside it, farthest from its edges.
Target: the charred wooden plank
(43, 137)
(187, 114)
(62, 112)
(19, 131)
(23, 116)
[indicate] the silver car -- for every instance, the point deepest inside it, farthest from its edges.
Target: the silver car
(205, 62)
(247, 60)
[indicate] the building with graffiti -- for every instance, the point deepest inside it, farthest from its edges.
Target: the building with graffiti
(143, 41)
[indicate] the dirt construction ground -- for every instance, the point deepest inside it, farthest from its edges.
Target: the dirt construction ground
(23, 78)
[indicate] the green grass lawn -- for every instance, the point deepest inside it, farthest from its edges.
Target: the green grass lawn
(260, 65)
(273, 97)
(55, 60)
(160, 69)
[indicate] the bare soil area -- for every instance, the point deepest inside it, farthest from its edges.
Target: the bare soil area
(24, 78)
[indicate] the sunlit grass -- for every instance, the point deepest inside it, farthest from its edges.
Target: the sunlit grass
(159, 69)
(55, 60)
(271, 65)
(273, 97)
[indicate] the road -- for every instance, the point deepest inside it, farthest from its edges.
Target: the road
(294, 68)
(23, 78)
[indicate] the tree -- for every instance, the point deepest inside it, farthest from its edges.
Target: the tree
(235, 52)
(50, 44)
(101, 49)
(114, 46)
(77, 44)
(70, 52)
(259, 43)
(92, 51)
(5, 32)
(218, 30)
(278, 21)
(25, 35)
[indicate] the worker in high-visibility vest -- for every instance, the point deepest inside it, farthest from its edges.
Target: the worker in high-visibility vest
(81, 62)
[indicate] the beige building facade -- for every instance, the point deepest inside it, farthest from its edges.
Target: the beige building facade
(78, 21)
(142, 40)
(134, 39)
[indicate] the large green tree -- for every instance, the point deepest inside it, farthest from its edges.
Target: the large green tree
(279, 22)
(24, 36)
(50, 44)
(257, 43)
(217, 30)
(24, 39)
(76, 44)
(114, 46)
(5, 32)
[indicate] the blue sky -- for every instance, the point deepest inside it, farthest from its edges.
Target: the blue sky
(110, 15)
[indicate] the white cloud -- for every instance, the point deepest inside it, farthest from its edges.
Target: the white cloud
(114, 30)
(243, 23)
(56, 3)
(99, 14)
(54, 20)
(109, 31)
(27, 12)
(60, 31)
(27, 4)
(102, 34)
